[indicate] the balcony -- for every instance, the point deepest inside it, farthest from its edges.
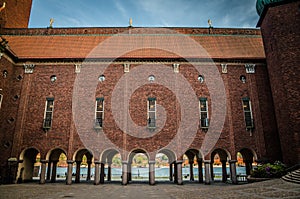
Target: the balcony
(47, 124)
(98, 124)
(204, 123)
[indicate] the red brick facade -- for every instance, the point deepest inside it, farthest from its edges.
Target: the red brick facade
(32, 56)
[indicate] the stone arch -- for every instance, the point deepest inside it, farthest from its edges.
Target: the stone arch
(249, 156)
(130, 159)
(136, 151)
(170, 154)
(191, 155)
(106, 158)
(78, 157)
(224, 157)
(26, 170)
(53, 158)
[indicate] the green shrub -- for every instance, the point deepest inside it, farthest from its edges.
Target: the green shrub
(269, 170)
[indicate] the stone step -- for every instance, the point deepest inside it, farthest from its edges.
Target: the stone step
(293, 176)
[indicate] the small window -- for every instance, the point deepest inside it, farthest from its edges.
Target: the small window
(203, 107)
(48, 116)
(151, 104)
(99, 113)
(1, 97)
(248, 113)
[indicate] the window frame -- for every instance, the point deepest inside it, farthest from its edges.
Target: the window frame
(246, 112)
(48, 124)
(99, 124)
(150, 123)
(204, 121)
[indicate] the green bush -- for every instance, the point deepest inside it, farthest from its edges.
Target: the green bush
(269, 170)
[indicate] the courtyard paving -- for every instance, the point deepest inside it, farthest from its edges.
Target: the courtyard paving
(276, 188)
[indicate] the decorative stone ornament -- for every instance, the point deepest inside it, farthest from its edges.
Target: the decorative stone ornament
(29, 68)
(77, 68)
(126, 68)
(176, 68)
(250, 68)
(224, 68)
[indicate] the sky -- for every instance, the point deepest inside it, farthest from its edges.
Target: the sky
(144, 13)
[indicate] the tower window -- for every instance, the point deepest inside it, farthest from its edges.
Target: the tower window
(248, 113)
(48, 115)
(151, 104)
(99, 113)
(203, 107)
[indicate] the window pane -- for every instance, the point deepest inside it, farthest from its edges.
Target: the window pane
(151, 105)
(49, 105)
(100, 105)
(246, 105)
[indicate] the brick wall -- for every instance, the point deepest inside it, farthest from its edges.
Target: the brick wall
(16, 13)
(281, 31)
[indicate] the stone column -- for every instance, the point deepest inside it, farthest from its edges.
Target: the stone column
(129, 174)
(43, 172)
(109, 171)
(77, 178)
(207, 172)
(233, 177)
(102, 173)
(49, 171)
(224, 171)
(179, 172)
(191, 170)
(212, 171)
(175, 173)
(248, 165)
(54, 166)
(200, 172)
(152, 172)
(124, 173)
(88, 177)
(171, 172)
(97, 174)
(69, 172)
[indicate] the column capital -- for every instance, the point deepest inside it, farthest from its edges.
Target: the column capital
(44, 161)
(28, 68)
(70, 161)
(207, 161)
(124, 162)
(232, 161)
(151, 162)
(178, 161)
(97, 162)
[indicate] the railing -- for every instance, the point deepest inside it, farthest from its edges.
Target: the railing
(204, 123)
(98, 123)
(47, 123)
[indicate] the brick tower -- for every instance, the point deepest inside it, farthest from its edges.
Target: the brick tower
(15, 13)
(280, 27)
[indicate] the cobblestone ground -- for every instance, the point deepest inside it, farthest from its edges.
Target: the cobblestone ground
(268, 189)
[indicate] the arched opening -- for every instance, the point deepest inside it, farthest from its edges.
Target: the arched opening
(56, 169)
(83, 159)
(138, 166)
(111, 166)
(192, 166)
(219, 165)
(245, 159)
(165, 161)
(29, 166)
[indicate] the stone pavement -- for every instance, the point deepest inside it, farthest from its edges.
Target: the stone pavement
(269, 189)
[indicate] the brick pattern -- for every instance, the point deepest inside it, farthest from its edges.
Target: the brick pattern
(280, 29)
(16, 14)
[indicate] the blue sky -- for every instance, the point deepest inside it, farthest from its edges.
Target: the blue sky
(144, 13)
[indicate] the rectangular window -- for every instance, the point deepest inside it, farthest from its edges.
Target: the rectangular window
(1, 97)
(203, 107)
(248, 113)
(151, 104)
(99, 112)
(48, 115)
